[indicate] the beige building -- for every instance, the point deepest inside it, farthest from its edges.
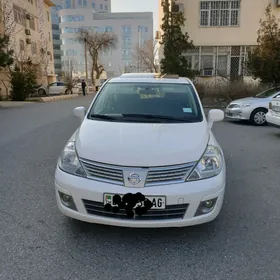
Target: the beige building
(28, 22)
(222, 31)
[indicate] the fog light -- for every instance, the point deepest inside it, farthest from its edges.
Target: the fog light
(206, 207)
(67, 200)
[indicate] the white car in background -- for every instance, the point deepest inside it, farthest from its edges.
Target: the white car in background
(273, 115)
(143, 159)
(56, 88)
(252, 108)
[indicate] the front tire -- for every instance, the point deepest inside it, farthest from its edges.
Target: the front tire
(258, 117)
(41, 92)
(68, 91)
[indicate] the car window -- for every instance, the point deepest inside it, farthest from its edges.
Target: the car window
(61, 84)
(53, 84)
(122, 100)
(268, 93)
(277, 96)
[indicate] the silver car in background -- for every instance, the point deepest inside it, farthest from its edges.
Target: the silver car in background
(252, 108)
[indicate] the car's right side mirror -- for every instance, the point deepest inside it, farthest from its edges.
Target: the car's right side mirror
(215, 115)
(80, 112)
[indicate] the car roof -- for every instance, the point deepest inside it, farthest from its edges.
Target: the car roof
(149, 78)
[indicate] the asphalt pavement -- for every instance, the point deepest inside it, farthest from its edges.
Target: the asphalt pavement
(37, 242)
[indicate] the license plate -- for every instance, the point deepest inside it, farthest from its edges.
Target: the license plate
(158, 201)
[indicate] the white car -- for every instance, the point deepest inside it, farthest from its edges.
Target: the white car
(254, 108)
(56, 88)
(273, 115)
(143, 162)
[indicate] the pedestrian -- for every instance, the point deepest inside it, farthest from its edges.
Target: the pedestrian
(84, 87)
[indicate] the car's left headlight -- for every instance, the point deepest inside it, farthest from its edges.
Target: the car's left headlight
(210, 164)
(69, 161)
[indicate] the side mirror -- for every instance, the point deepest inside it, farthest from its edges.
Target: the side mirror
(215, 115)
(80, 112)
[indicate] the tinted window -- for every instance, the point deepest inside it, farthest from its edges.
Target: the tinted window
(268, 93)
(137, 101)
(53, 84)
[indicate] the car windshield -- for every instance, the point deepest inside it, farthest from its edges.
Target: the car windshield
(268, 93)
(147, 102)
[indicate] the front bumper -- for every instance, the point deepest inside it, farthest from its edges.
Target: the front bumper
(191, 193)
(243, 113)
(273, 119)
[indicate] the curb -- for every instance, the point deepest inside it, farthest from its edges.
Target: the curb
(53, 98)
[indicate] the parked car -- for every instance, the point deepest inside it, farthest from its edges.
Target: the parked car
(254, 108)
(143, 162)
(55, 88)
(273, 114)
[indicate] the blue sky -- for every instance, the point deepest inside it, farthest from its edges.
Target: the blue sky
(137, 6)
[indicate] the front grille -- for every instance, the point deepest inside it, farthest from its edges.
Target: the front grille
(170, 174)
(103, 172)
(155, 175)
(170, 212)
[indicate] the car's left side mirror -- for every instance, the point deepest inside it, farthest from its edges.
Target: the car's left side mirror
(80, 112)
(215, 115)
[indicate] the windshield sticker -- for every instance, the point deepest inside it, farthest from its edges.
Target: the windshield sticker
(187, 110)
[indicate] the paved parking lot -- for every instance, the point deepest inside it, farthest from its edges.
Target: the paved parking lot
(37, 242)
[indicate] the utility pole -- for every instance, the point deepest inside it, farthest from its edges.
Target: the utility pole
(85, 43)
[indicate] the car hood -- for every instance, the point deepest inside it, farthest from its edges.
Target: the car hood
(249, 100)
(141, 144)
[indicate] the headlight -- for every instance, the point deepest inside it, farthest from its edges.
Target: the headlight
(69, 161)
(209, 165)
(246, 105)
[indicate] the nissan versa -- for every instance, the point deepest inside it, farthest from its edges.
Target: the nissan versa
(143, 156)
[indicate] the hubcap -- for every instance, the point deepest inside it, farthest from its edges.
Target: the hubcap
(259, 117)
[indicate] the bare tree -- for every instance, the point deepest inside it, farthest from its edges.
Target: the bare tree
(95, 43)
(146, 55)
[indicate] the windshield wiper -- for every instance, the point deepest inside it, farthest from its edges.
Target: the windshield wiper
(106, 117)
(156, 117)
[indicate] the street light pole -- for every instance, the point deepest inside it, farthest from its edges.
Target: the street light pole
(85, 43)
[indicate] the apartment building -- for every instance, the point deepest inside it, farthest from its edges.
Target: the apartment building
(29, 25)
(98, 6)
(223, 31)
(131, 29)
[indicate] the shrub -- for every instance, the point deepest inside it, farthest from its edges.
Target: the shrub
(22, 85)
(214, 93)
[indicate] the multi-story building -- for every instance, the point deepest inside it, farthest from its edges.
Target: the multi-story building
(99, 6)
(131, 29)
(223, 31)
(29, 25)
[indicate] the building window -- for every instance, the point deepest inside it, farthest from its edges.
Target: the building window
(106, 7)
(33, 47)
(70, 18)
(19, 15)
(93, 5)
(30, 1)
(21, 45)
(32, 22)
(68, 4)
(101, 6)
(219, 13)
(85, 3)
(80, 2)
(108, 29)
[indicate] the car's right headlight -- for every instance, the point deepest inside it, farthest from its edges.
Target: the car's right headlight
(210, 164)
(69, 161)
